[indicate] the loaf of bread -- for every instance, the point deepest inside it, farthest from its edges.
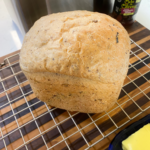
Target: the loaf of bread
(76, 60)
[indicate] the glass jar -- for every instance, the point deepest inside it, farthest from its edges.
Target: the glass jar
(124, 11)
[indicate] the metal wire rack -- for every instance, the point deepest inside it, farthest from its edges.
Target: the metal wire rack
(26, 123)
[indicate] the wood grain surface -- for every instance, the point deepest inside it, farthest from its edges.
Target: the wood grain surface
(18, 102)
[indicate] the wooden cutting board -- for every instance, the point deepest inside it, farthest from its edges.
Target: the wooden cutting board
(27, 123)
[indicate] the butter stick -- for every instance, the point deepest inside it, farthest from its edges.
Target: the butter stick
(140, 140)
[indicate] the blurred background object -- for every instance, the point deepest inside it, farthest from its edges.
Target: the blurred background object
(103, 6)
(125, 11)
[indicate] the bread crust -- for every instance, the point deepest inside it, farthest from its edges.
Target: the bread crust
(74, 93)
(90, 50)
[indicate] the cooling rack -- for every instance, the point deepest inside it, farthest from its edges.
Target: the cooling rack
(26, 123)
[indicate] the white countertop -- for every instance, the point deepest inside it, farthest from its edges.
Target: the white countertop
(10, 39)
(143, 15)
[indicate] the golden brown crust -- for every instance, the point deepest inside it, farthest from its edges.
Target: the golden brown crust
(74, 93)
(76, 60)
(79, 43)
